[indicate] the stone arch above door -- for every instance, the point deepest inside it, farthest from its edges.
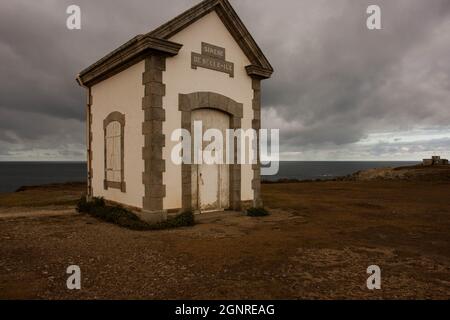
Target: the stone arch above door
(199, 100)
(211, 100)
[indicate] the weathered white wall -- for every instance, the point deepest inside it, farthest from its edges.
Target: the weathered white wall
(122, 92)
(179, 77)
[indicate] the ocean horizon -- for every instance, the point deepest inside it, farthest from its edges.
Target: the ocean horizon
(15, 174)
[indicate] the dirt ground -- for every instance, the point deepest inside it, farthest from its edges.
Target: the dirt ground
(316, 244)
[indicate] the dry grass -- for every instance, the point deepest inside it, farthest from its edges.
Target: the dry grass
(317, 246)
(41, 196)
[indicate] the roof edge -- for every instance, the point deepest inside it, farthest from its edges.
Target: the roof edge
(258, 72)
(183, 20)
(127, 54)
(229, 18)
(157, 41)
(246, 37)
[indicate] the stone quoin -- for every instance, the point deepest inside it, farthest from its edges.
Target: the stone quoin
(202, 65)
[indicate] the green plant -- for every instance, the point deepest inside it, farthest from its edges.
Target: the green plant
(127, 219)
(85, 206)
(185, 219)
(257, 212)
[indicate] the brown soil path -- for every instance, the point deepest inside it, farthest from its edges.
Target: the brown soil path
(317, 244)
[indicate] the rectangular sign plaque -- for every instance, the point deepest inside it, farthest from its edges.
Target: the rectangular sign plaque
(213, 58)
(213, 51)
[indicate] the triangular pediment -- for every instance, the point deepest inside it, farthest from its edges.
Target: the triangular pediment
(158, 40)
(231, 21)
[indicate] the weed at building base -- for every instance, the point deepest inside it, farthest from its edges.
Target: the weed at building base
(256, 212)
(127, 219)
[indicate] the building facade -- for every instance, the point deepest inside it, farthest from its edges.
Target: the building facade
(201, 66)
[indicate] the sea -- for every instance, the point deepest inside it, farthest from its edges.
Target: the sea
(14, 175)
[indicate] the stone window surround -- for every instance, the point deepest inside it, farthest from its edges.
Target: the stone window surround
(211, 100)
(119, 117)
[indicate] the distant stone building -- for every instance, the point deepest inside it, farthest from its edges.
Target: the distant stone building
(434, 161)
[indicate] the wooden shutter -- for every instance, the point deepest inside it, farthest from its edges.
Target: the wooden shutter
(113, 152)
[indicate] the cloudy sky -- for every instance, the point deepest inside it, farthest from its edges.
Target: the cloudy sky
(340, 91)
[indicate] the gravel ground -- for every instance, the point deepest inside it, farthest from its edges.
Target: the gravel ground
(316, 244)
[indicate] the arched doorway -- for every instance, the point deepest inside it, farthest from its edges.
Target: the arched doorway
(188, 104)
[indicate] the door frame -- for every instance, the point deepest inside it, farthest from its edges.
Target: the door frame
(211, 100)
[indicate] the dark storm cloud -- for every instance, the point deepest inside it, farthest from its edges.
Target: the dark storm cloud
(336, 81)
(335, 84)
(41, 57)
(40, 102)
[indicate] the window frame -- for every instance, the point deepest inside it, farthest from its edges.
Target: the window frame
(120, 118)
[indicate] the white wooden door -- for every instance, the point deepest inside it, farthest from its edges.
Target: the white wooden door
(210, 182)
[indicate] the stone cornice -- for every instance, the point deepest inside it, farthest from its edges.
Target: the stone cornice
(258, 72)
(124, 56)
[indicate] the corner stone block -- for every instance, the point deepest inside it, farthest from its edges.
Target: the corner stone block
(187, 187)
(153, 204)
(155, 114)
(239, 110)
(158, 166)
(193, 100)
(187, 202)
(257, 95)
(257, 115)
(214, 100)
(236, 123)
(256, 124)
(146, 102)
(155, 88)
(151, 179)
(156, 100)
(158, 140)
(158, 191)
(186, 120)
(203, 100)
(256, 184)
(152, 75)
(256, 84)
(183, 102)
(157, 62)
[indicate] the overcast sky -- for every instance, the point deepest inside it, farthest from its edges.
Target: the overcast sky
(339, 92)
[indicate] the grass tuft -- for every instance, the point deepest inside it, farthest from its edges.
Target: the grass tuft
(257, 212)
(53, 195)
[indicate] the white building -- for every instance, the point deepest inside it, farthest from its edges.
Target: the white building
(202, 65)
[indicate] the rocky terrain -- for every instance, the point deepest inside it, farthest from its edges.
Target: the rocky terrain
(411, 173)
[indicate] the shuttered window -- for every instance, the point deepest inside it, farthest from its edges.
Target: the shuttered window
(114, 128)
(113, 152)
